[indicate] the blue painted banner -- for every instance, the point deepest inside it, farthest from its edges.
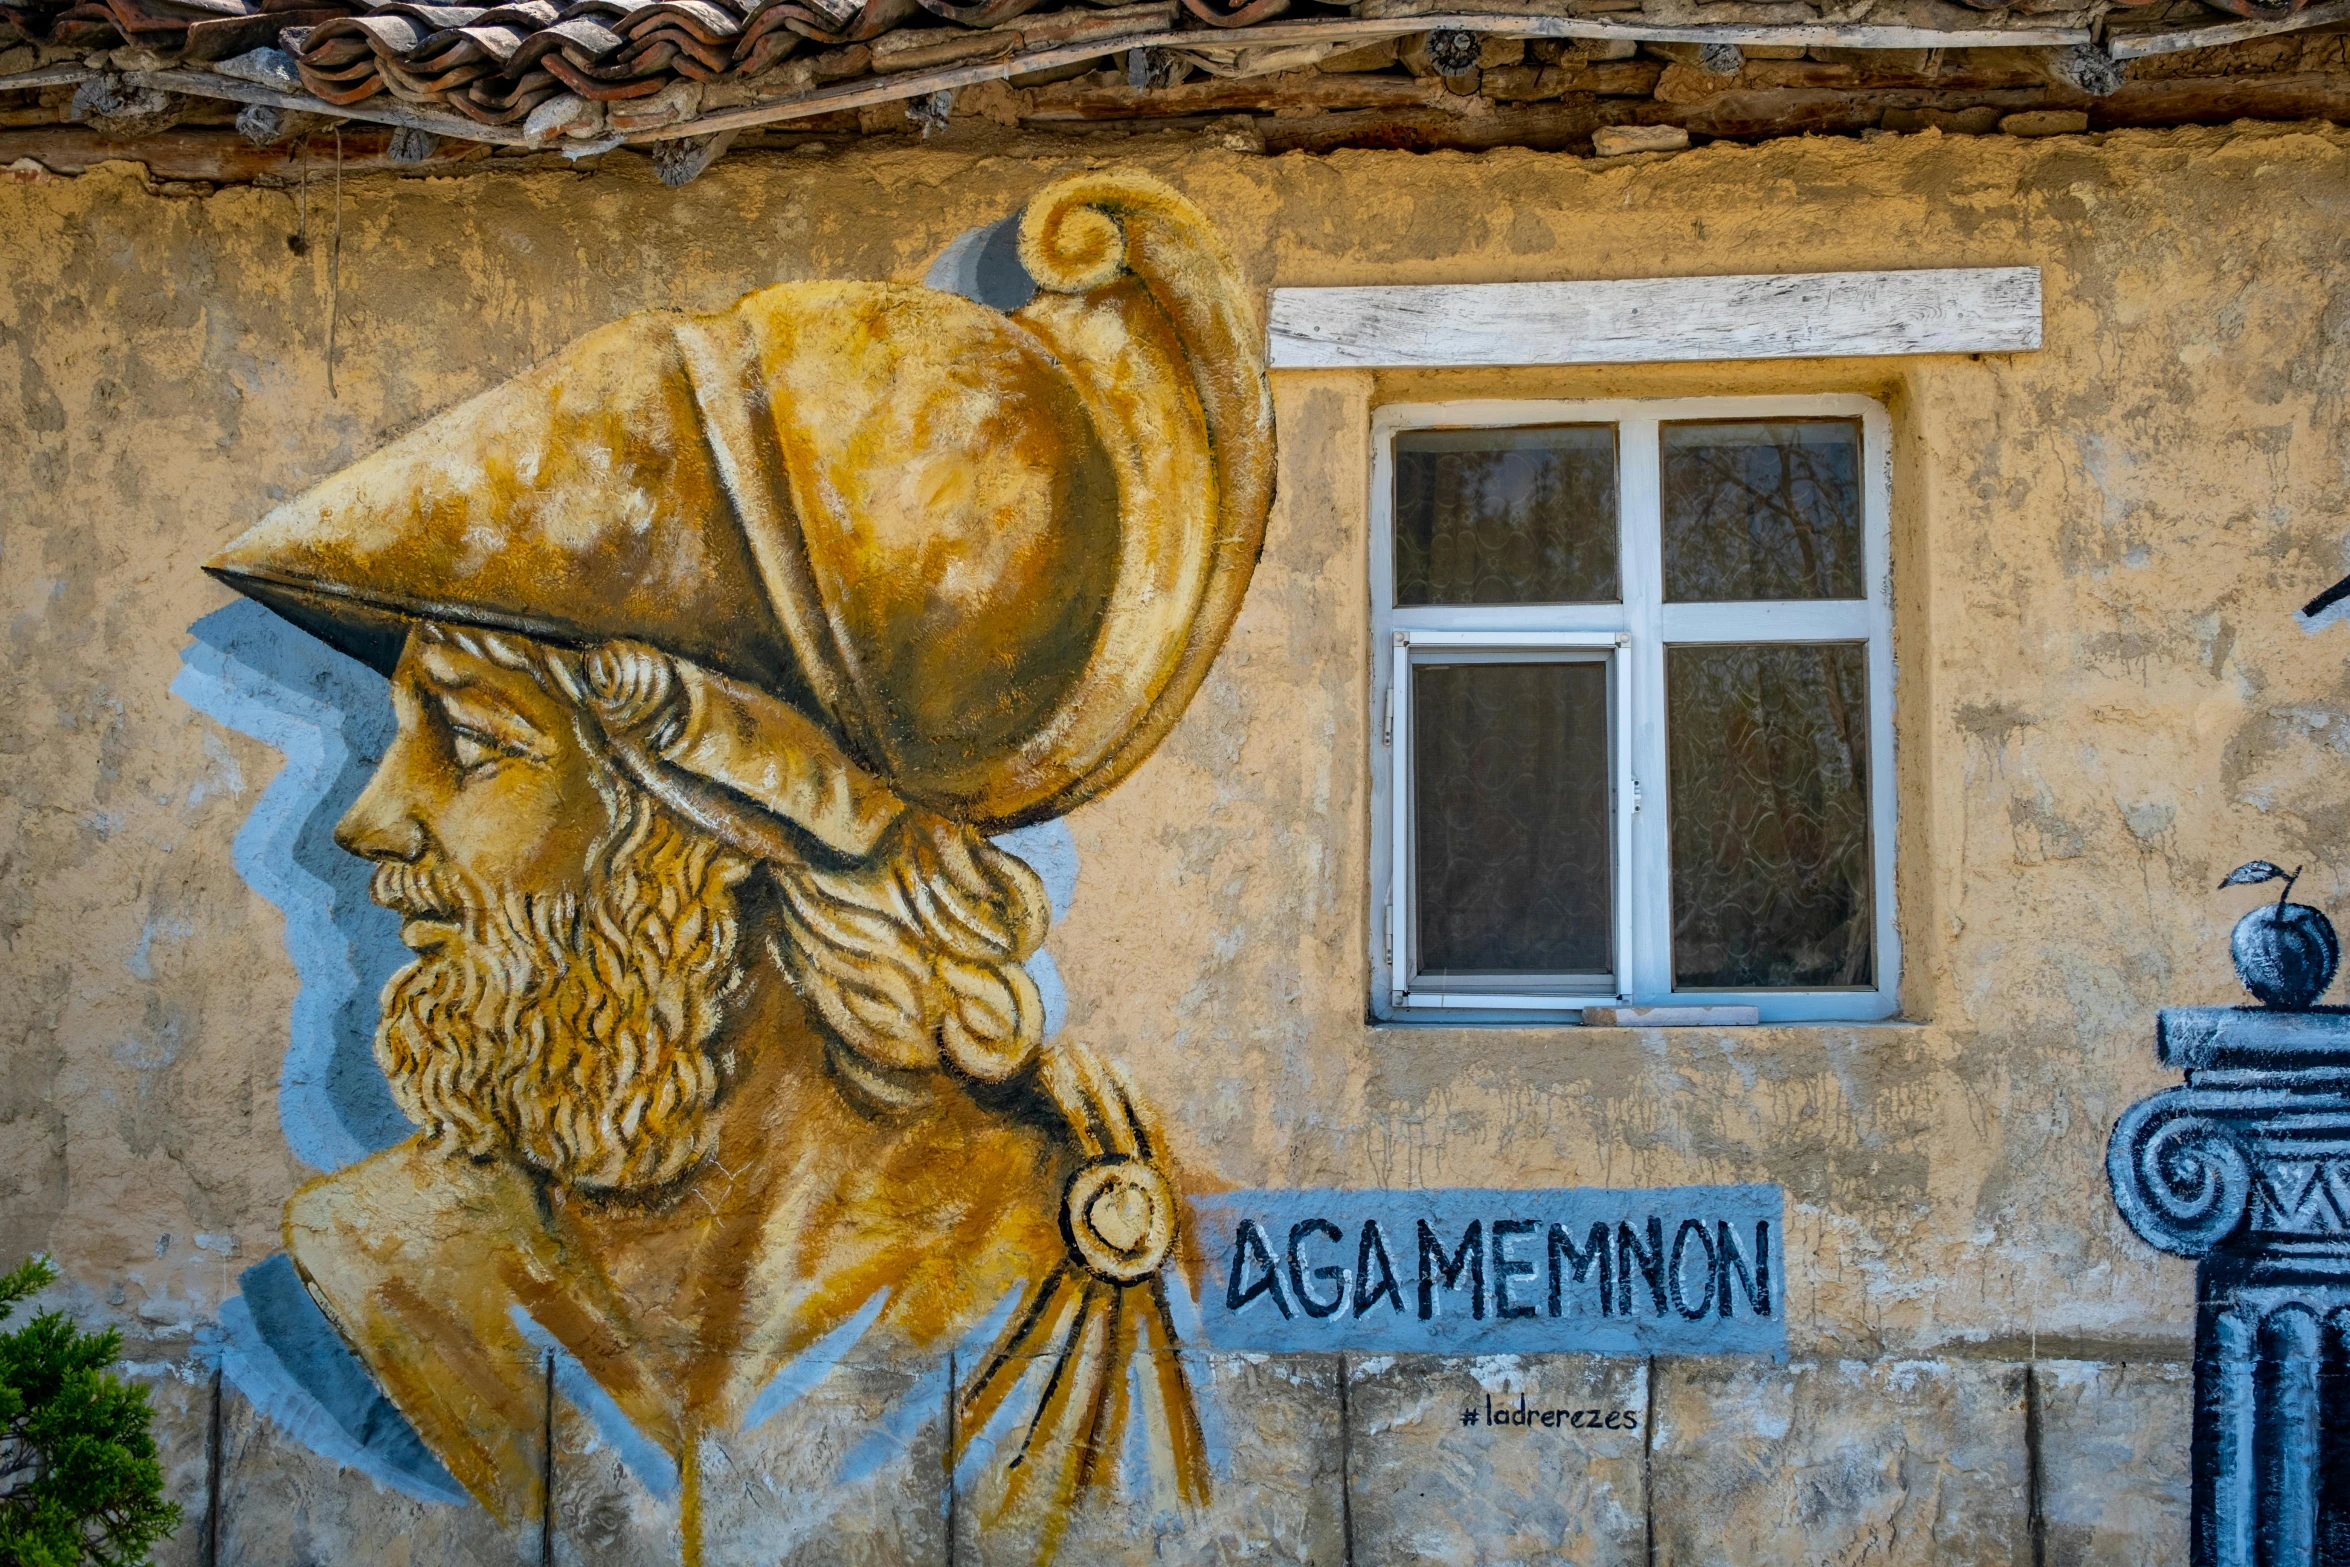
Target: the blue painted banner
(1675, 1270)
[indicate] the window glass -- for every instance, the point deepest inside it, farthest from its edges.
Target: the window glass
(1522, 516)
(1607, 772)
(1761, 510)
(1511, 788)
(1767, 748)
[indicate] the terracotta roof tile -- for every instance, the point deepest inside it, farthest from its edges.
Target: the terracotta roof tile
(664, 68)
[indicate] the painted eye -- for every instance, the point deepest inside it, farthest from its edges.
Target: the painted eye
(473, 750)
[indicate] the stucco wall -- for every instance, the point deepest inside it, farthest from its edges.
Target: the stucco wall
(2103, 701)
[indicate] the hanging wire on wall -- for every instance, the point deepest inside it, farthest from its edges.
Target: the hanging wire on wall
(334, 269)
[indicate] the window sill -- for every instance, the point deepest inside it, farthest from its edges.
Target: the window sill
(1670, 1017)
(1594, 1014)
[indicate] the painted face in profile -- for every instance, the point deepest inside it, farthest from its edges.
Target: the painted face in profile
(575, 942)
(488, 784)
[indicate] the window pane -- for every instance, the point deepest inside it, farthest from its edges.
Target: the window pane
(1510, 792)
(1506, 516)
(1762, 511)
(1768, 756)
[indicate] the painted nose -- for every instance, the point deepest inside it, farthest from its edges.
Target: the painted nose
(376, 827)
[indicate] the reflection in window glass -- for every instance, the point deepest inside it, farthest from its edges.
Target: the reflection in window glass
(1767, 752)
(1510, 780)
(1762, 510)
(1522, 516)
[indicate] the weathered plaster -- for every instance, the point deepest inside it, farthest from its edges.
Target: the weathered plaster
(2104, 701)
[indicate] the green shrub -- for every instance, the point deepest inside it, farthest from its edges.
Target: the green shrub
(79, 1484)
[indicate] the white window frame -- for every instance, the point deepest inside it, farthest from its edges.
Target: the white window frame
(1634, 634)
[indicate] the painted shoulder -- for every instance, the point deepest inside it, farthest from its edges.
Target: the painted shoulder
(415, 1257)
(406, 1206)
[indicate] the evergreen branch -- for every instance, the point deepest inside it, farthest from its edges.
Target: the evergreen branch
(80, 1484)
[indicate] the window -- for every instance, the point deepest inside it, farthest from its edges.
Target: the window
(1634, 697)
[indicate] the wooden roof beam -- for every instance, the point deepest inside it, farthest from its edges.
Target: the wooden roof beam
(2139, 45)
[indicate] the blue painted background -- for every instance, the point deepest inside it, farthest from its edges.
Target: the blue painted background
(330, 717)
(1300, 1270)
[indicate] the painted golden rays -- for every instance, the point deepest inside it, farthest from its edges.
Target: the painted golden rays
(719, 647)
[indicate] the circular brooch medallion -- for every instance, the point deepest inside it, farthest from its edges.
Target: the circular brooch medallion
(1120, 1219)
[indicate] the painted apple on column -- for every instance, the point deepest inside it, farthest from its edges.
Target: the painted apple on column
(2285, 952)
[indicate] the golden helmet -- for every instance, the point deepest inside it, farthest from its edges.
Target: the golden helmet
(904, 547)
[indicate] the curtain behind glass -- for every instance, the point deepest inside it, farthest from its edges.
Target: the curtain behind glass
(1510, 790)
(1768, 756)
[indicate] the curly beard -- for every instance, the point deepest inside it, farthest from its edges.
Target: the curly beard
(572, 1033)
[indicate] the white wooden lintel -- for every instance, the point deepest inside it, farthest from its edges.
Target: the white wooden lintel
(1804, 315)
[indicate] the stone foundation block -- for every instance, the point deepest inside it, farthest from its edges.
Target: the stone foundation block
(1273, 1431)
(1551, 1470)
(2114, 1462)
(285, 1504)
(1839, 1463)
(849, 1471)
(179, 1391)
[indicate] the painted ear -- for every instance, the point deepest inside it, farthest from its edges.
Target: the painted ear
(2251, 871)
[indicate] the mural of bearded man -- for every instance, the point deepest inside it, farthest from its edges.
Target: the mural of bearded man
(719, 647)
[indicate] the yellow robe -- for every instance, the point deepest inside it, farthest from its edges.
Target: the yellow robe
(450, 1276)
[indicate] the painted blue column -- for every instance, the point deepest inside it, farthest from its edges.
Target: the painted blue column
(2246, 1169)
